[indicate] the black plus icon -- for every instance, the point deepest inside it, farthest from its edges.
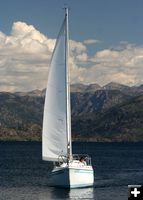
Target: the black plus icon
(135, 192)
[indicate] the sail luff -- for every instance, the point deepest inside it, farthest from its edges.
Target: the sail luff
(69, 142)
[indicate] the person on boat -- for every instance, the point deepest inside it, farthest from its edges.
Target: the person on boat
(82, 160)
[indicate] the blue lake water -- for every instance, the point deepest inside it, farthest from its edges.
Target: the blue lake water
(23, 175)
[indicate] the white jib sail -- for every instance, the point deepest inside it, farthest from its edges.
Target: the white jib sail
(54, 137)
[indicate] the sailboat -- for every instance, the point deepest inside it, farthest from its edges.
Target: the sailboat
(70, 170)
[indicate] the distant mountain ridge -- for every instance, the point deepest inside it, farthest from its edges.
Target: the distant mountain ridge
(109, 113)
(85, 88)
(90, 88)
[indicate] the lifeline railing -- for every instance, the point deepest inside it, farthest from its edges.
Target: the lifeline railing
(78, 157)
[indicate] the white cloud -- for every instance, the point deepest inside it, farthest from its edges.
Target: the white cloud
(82, 57)
(122, 77)
(25, 55)
(77, 47)
(91, 41)
(122, 64)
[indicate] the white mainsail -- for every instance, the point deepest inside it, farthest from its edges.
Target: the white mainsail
(56, 137)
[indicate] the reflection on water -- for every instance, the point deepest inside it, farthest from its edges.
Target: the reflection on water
(84, 193)
(54, 193)
(59, 193)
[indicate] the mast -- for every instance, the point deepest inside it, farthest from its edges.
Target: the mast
(68, 114)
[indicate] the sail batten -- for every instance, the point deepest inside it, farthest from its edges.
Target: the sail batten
(55, 137)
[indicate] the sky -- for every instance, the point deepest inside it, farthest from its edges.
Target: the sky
(106, 41)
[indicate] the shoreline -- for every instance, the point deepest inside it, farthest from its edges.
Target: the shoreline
(103, 140)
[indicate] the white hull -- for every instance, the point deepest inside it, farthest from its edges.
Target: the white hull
(72, 177)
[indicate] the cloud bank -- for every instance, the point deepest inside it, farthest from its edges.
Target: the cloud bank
(25, 55)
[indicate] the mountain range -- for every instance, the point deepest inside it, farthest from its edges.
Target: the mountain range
(113, 112)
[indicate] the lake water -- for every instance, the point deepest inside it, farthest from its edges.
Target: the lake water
(23, 175)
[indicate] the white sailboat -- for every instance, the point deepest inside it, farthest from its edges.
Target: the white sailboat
(70, 171)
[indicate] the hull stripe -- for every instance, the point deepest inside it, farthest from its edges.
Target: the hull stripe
(74, 186)
(75, 171)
